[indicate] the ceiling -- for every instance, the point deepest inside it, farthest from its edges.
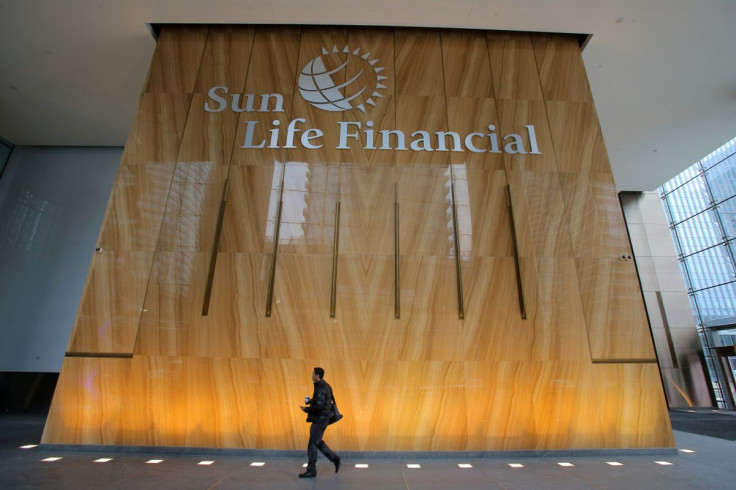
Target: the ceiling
(662, 72)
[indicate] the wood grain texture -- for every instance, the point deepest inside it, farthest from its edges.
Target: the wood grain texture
(200, 402)
(420, 113)
(561, 69)
(177, 59)
(250, 213)
(108, 317)
(157, 129)
(513, 116)
(577, 373)
(539, 213)
(136, 206)
(577, 138)
(614, 310)
(466, 64)
(513, 65)
(597, 227)
(418, 79)
(367, 197)
(220, 129)
(466, 115)
(226, 58)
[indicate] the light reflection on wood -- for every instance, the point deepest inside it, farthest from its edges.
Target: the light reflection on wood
(577, 374)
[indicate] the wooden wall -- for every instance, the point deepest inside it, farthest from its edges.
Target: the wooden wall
(145, 367)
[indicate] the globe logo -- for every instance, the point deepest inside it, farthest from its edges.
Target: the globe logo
(341, 80)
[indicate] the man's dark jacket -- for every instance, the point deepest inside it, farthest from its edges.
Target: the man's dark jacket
(320, 405)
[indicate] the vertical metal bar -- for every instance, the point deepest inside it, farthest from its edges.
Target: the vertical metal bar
(519, 287)
(458, 269)
(272, 275)
(397, 278)
(213, 255)
(333, 295)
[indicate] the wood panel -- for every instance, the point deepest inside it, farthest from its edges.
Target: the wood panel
(596, 222)
(177, 59)
(108, 317)
(418, 79)
(367, 197)
(466, 115)
(198, 402)
(578, 141)
(136, 207)
(513, 65)
(576, 373)
(250, 213)
(615, 318)
(561, 69)
(539, 212)
(513, 116)
(225, 59)
(157, 129)
(466, 64)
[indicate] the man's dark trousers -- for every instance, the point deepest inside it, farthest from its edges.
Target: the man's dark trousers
(316, 431)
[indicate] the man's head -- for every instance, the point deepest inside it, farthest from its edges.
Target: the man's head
(318, 374)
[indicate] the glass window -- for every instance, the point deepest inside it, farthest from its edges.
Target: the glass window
(686, 175)
(722, 179)
(710, 267)
(727, 212)
(689, 199)
(718, 155)
(699, 232)
(717, 303)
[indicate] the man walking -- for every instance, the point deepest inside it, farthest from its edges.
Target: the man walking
(318, 410)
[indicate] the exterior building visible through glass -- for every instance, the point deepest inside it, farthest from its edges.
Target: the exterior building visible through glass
(700, 205)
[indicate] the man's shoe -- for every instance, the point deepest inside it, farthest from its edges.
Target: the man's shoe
(307, 474)
(337, 463)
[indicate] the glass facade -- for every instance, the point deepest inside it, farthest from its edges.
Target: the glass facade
(700, 205)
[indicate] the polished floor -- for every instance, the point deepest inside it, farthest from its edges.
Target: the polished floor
(706, 458)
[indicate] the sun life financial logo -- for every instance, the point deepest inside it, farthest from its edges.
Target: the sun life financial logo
(343, 80)
(319, 85)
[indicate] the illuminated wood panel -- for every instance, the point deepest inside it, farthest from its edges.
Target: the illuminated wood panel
(510, 109)
(567, 404)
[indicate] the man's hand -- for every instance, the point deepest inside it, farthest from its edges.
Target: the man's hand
(304, 409)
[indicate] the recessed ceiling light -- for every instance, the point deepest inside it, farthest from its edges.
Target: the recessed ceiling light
(566, 464)
(516, 465)
(361, 465)
(614, 463)
(51, 460)
(413, 466)
(687, 451)
(29, 446)
(205, 463)
(465, 465)
(663, 463)
(102, 460)
(257, 463)
(154, 461)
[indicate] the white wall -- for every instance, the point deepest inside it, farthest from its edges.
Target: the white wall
(52, 200)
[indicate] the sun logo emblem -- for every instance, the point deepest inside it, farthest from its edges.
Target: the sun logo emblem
(341, 80)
